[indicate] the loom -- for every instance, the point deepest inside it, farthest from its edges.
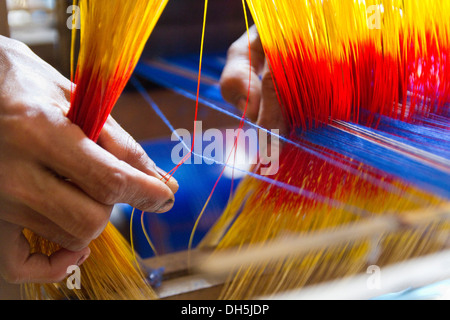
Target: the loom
(399, 156)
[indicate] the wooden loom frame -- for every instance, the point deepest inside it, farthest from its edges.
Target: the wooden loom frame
(190, 276)
(179, 284)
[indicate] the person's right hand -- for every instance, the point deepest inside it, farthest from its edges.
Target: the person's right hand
(56, 182)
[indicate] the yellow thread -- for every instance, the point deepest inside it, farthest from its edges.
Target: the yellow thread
(201, 61)
(149, 241)
(329, 30)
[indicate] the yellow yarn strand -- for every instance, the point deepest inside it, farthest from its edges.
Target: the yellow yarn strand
(262, 213)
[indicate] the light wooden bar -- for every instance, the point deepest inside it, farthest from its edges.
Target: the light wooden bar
(195, 275)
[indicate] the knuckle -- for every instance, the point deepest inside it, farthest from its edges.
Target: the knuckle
(234, 49)
(73, 243)
(136, 154)
(228, 81)
(234, 79)
(55, 276)
(92, 226)
(229, 84)
(267, 82)
(111, 187)
(238, 47)
(27, 118)
(18, 189)
(12, 274)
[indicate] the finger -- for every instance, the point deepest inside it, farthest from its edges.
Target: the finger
(60, 202)
(102, 176)
(271, 118)
(32, 220)
(270, 114)
(18, 266)
(240, 81)
(65, 88)
(118, 142)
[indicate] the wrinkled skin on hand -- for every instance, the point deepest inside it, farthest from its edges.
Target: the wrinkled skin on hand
(56, 182)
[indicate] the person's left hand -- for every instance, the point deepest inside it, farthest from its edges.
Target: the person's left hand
(263, 106)
(54, 180)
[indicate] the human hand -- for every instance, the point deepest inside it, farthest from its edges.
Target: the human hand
(56, 182)
(263, 104)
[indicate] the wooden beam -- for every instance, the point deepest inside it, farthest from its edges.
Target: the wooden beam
(234, 259)
(412, 274)
(181, 284)
(179, 281)
(195, 276)
(4, 27)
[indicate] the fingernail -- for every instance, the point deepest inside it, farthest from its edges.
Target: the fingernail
(165, 176)
(166, 206)
(162, 172)
(82, 260)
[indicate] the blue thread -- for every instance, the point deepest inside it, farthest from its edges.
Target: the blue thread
(431, 134)
(300, 191)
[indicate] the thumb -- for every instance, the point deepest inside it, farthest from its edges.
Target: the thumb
(121, 144)
(18, 265)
